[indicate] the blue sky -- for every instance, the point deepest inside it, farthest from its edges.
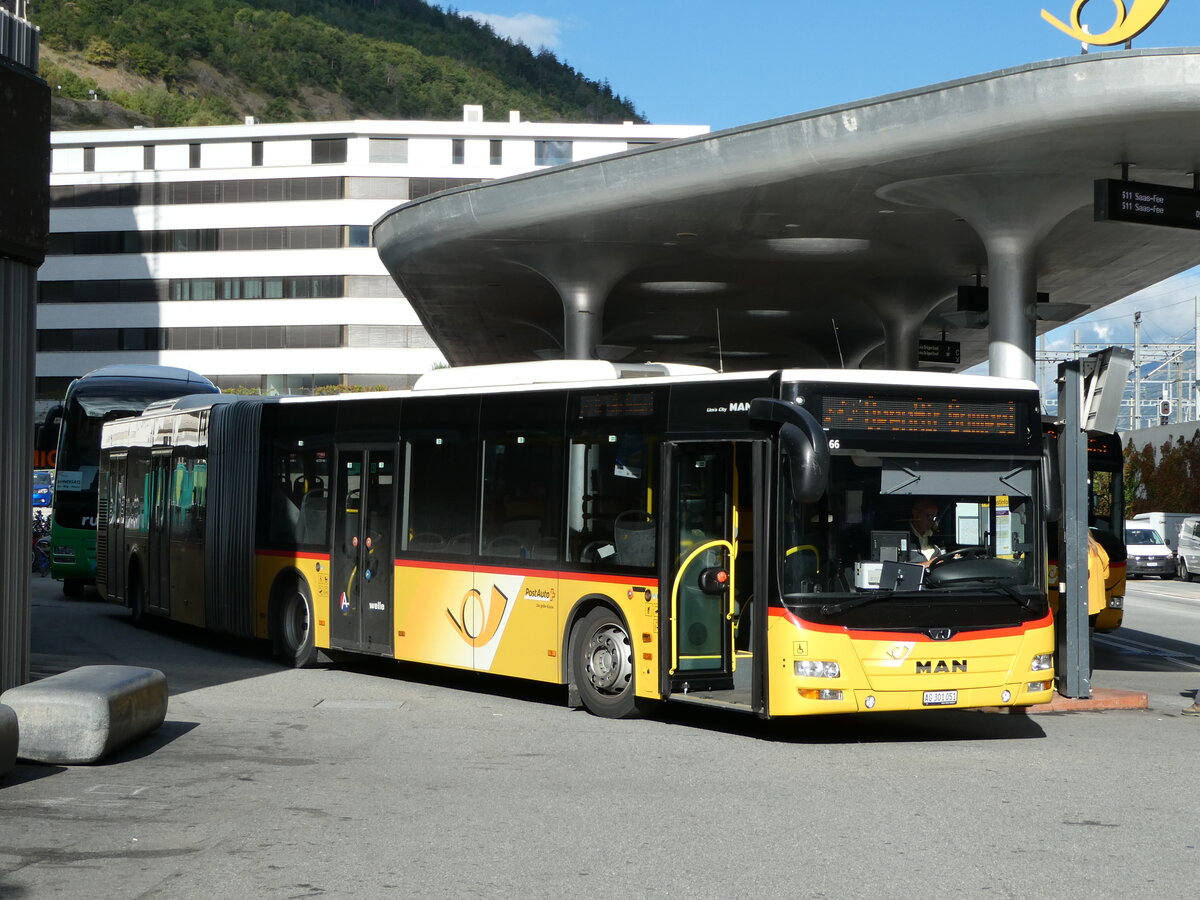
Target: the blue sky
(723, 64)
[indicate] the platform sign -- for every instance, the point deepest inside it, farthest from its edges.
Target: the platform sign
(1147, 204)
(939, 352)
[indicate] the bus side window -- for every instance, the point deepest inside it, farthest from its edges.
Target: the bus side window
(610, 478)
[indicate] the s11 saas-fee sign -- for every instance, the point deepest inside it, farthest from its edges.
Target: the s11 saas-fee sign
(1146, 204)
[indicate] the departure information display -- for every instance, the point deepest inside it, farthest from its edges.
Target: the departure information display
(919, 416)
(1146, 204)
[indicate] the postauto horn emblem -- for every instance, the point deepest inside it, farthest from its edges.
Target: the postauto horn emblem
(1132, 19)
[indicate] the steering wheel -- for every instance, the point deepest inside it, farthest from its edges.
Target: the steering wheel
(955, 555)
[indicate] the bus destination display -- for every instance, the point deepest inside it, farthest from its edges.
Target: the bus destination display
(919, 416)
(1146, 204)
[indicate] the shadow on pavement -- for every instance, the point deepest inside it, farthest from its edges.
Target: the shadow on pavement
(1126, 650)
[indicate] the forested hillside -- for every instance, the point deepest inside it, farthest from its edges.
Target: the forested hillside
(200, 62)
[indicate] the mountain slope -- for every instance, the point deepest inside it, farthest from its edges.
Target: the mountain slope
(176, 62)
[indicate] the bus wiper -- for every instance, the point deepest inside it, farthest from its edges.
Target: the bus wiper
(833, 609)
(995, 587)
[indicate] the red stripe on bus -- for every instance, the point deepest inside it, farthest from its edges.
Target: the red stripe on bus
(294, 554)
(606, 578)
(973, 635)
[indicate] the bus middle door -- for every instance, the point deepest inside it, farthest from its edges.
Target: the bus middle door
(159, 538)
(361, 557)
(710, 569)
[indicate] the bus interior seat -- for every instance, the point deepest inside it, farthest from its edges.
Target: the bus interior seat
(546, 548)
(634, 538)
(424, 541)
(285, 516)
(461, 544)
(506, 545)
(313, 510)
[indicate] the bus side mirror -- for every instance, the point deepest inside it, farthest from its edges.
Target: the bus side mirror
(45, 437)
(804, 445)
(1051, 479)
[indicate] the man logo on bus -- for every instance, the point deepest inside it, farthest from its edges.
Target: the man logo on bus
(942, 667)
(477, 622)
(1131, 21)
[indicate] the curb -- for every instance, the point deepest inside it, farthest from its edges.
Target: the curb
(1101, 699)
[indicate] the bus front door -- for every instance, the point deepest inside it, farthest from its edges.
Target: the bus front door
(709, 585)
(361, 557)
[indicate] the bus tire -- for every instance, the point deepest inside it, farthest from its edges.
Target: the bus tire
(602, 665)
(73, 587)
(295, 640)
(135, 596)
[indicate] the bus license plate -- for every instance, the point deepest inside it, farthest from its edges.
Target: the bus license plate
(941, 698)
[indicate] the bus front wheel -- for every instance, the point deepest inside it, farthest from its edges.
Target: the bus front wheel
(294, 639)
(73, 587)
(602, 665)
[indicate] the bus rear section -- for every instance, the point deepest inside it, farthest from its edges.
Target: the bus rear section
(74, 429)
(736, 541)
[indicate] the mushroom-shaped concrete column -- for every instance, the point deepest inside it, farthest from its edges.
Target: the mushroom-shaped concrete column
(583, 275)
(1011, 212)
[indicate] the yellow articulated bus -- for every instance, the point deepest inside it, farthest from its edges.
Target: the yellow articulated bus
(637, 534)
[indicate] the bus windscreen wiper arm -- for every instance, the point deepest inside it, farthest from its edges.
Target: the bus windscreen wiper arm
(996, 587)
(833, 609)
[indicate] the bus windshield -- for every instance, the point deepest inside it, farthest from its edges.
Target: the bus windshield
(902, 525)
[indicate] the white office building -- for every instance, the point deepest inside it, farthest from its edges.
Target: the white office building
(243, 252)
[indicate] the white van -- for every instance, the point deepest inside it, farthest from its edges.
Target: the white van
(1148, 552)
(1189, 548)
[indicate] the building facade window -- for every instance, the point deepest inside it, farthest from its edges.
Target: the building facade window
(496, 152)
(552, 153)
(329, 150)
(89, 159)
(458, 151)
(233, 337)
(256, 153)
(148, 157)
(193, 240)
(150, 290)
(193, 156)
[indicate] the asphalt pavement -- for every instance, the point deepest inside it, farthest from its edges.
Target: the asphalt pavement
(392, 780)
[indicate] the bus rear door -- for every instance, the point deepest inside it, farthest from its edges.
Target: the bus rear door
(361, 557)
(710, 576)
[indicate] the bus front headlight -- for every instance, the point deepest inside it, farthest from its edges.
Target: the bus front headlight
(812, 668)
(1041, 662)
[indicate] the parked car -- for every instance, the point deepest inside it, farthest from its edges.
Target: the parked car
(43, 487)
(1166, 524)
(1147, 552)
(1188, 555)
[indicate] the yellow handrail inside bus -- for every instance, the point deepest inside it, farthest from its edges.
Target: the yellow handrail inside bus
(732, 548)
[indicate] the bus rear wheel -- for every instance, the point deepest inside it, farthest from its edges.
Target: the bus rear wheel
(602, 665)
(294, 638)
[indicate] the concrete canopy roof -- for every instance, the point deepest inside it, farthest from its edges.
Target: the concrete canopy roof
(816, 234)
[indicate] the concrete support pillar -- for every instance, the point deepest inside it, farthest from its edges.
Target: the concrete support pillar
(1012, 213)
(901, 336)
(583, 275)
(1012, 293)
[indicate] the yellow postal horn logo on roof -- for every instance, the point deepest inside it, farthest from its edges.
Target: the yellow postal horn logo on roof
(1131, 21)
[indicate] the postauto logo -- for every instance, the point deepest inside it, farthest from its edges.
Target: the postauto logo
(1132, 19)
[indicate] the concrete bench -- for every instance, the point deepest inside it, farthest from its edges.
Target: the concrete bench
(81, 715)
(8, 740)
